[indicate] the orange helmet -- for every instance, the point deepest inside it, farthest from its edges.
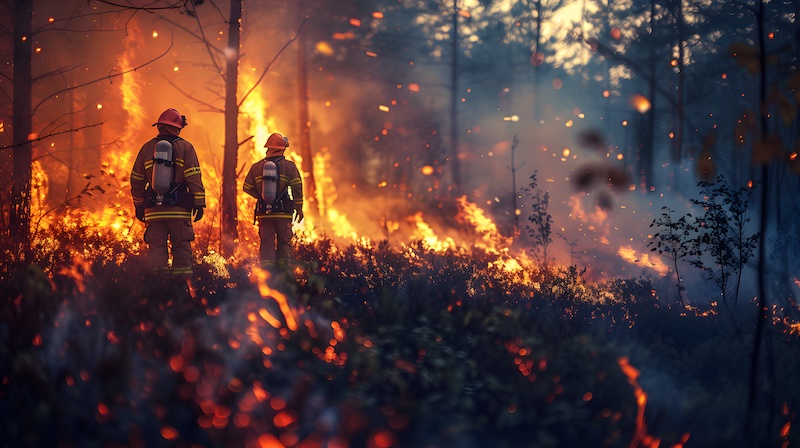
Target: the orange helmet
(171, 117)
(277, 141)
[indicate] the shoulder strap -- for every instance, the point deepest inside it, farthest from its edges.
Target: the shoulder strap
(171, 139)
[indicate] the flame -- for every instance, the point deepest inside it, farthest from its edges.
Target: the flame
(629, 254)
(131, 91)
(640, 435)
(490, 237)
(424, 233)
(259, 277)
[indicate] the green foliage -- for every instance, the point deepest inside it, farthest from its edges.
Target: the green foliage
(674, 241)
(717, 240)
(539, 229)
(722, 234)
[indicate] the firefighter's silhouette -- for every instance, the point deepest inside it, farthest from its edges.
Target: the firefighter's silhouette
(277, 186)
(168, 195)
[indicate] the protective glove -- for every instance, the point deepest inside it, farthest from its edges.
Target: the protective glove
(261, 206)
(298, 215)
(140, 212)
(197, 214)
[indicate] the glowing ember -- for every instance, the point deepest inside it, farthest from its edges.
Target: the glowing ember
(640, 103)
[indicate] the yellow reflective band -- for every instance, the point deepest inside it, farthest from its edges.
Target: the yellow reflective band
(162, 215)
(275, 216)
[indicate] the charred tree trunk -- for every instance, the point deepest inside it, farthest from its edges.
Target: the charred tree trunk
(679, 125)
(455, 156)
(229, 222)
(19, 219)
(648, 134)
(537, 103)
(763, 303)
(304, 122)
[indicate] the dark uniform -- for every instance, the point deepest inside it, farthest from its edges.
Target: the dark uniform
(170, 221)
(275, 225)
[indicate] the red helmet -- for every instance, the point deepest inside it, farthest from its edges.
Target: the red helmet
(277, 141)
(171, 117)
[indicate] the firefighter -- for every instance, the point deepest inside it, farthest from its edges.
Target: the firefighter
(168, 195)
(277, 186)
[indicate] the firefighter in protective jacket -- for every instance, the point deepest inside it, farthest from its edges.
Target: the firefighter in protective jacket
(168, 195)
(270, 181)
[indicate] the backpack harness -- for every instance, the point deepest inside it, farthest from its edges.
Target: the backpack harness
(270, 201)
(162, 189)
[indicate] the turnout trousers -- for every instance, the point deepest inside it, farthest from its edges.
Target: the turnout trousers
(170, 234)
(276, 241)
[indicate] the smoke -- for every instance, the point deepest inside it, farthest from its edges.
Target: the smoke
(385, 141)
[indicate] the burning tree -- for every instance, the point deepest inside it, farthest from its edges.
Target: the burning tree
(16, 207)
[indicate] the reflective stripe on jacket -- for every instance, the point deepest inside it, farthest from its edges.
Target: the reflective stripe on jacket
(187, 170)
(288, 177)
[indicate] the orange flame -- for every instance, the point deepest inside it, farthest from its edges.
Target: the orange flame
(629, 254)
(641, 438)
(259, 277)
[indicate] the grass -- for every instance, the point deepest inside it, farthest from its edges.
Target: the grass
(379, 346)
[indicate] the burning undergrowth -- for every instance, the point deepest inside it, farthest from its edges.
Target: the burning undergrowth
(365, 344)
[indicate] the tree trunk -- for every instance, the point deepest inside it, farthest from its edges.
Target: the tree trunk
(537, 68)
(455, 162)
(648, 136)
(19, 221)
(309, 184)
(762, 302)
(679, 126)
(229, 222)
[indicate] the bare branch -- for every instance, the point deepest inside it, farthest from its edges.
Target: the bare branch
(100, 79)
(266, 69)
(638, 69)
(82, 109)
(206, 42)
(52, 134)
(63, 204)
(189, 96)
(193, 34)
(177, 5)
(50, 26)
(246, 140)
(56, 72)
